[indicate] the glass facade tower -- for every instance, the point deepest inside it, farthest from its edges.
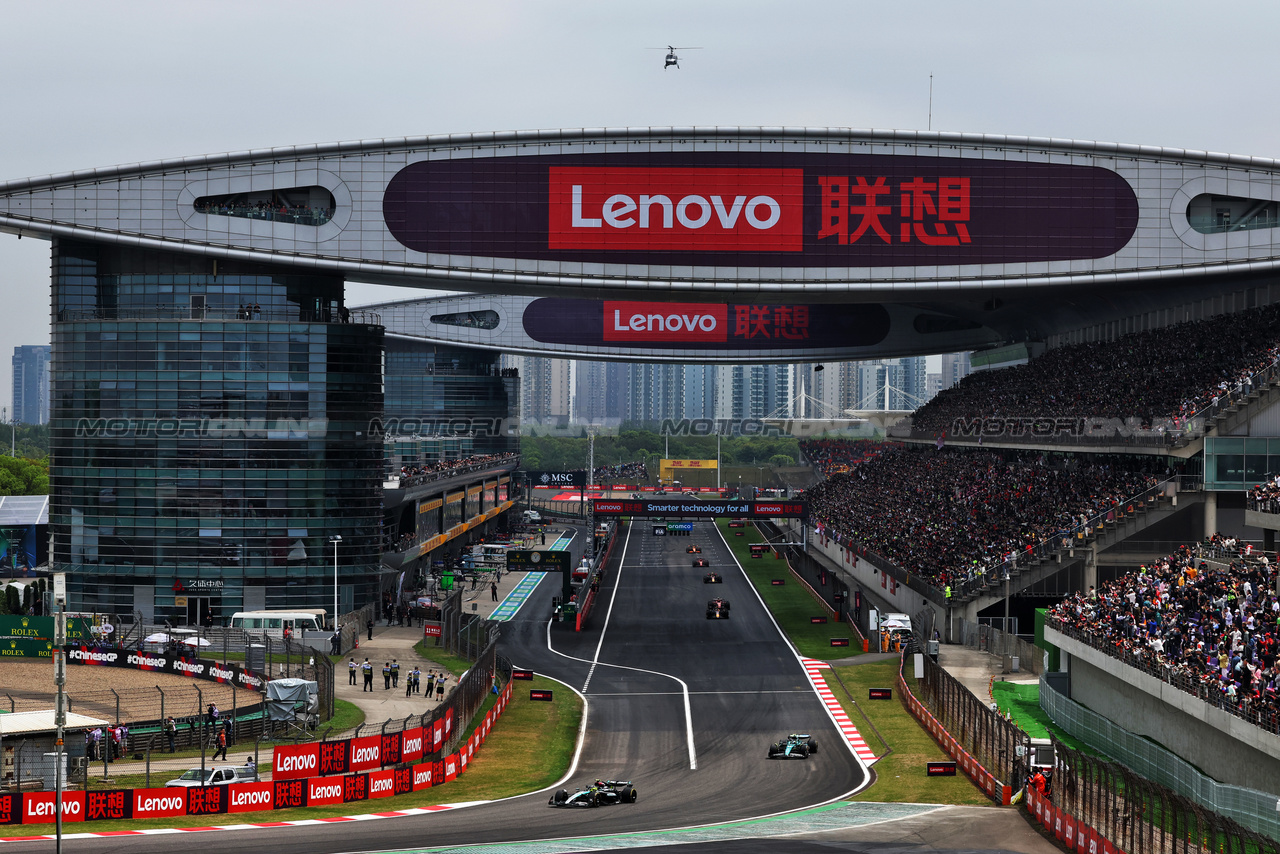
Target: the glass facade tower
(210, 430)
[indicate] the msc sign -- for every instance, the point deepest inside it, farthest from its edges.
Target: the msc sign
(557, 478)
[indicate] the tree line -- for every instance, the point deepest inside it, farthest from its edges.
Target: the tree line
(560, 453)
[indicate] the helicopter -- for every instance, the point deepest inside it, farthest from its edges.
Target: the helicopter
(672, 59)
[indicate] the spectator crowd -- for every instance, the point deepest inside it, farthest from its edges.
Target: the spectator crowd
(836, 456)
(427, 472)
(951, 516)
(634, 472)
(1205, 619)
(1163, 374)
(1265, 497)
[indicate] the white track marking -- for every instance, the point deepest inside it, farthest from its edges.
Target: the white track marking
(801, 660)
(595, 661)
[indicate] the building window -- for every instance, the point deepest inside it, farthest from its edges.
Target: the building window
(295, 205)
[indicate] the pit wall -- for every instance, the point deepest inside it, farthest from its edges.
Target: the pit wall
(324, 773)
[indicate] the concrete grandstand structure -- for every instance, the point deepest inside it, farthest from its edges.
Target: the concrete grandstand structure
(213, 394)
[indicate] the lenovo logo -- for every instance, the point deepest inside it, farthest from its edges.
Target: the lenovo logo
(305, 762)
(676, 208)
(143, 803)
(655, 321)
(257, 797)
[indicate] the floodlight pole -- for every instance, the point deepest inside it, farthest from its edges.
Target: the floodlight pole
(60, 709)
(335, 539)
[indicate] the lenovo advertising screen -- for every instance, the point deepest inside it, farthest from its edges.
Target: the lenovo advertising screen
(699, 509)
(761, 209)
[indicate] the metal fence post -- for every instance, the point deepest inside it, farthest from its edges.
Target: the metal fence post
(117, 696)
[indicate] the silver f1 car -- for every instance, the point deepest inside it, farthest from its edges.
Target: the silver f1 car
(601, 793)
(794, 746)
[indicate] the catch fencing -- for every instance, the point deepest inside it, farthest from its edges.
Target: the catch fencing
(1158, 767)
(463, 632)
(985, 638)
(461, 703)
(996, 743)
(1142, 817)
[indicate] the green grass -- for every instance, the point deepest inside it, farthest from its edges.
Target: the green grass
(791, 604)
(345, 716)
(1023, 702)
(530, 747)
(899, 773)
(454, 664)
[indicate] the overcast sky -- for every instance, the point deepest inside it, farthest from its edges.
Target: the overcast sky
(97, 84)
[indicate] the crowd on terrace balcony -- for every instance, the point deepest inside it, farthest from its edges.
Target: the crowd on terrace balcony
(1206, 619)
(272, 210)
(1265, 497)
(954, 516)
(1168, 374)
(412, 475)
(835, 456)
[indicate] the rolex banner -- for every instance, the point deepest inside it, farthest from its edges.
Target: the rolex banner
(17, 647)
(39, 629)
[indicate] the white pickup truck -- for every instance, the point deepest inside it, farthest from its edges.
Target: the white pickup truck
(223, 775)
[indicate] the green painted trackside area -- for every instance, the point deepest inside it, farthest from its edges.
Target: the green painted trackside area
(517, 597)
(1023, 703)
(839, 816)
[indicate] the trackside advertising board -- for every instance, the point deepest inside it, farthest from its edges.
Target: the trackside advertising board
(194, 668)
(699, 509)
(295, 782)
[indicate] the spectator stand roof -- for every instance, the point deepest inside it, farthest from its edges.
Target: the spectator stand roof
(19, 511)
(32, 723)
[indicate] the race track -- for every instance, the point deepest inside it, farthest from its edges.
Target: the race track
(684, 706)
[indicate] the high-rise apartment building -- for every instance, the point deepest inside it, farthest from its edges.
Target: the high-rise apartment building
(31, 384)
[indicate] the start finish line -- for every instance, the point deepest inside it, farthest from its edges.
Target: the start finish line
(700, 509)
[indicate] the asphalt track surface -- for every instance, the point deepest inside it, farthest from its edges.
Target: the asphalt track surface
(684, 706)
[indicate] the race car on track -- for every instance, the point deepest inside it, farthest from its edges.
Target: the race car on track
(701, 561)
(794, 746)
(693, 550)
(713, 578)
(717, 609)
(601, 793)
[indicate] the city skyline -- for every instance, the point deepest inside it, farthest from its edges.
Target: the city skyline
(573, 391)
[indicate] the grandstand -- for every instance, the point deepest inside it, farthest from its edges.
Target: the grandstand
(1127, 484)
